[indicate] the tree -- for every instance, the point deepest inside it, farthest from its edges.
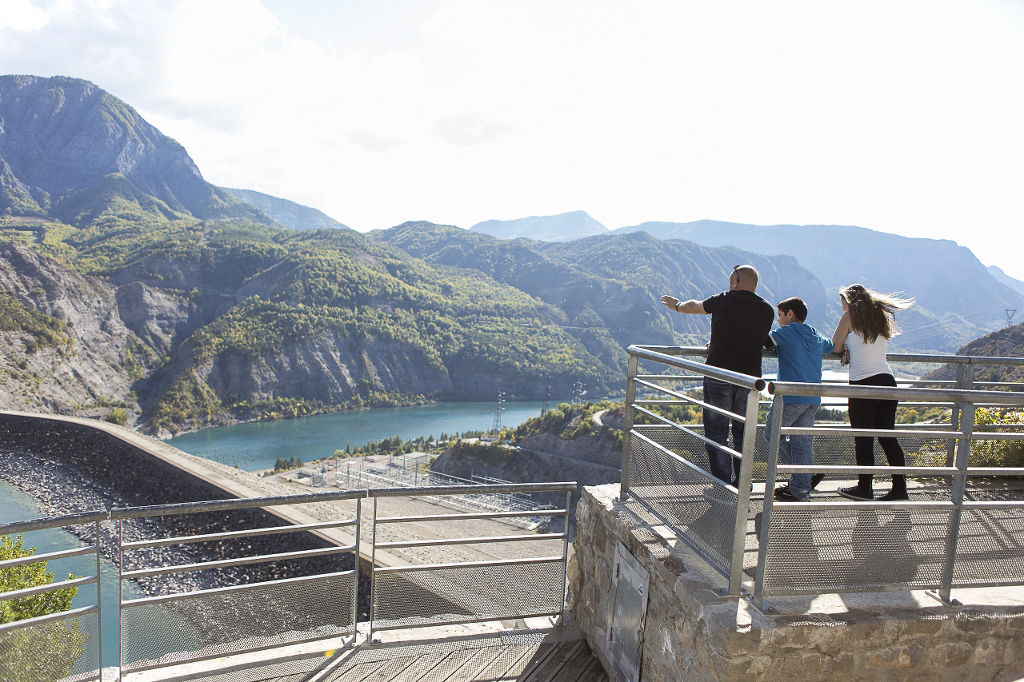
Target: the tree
(43, 652)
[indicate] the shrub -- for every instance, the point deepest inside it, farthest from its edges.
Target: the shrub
(48, 651)
(997, 453)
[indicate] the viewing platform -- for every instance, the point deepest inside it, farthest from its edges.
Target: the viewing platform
(679, 575)
(672, 575)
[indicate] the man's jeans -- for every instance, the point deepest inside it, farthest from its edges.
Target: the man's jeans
(716, 426)
(795, 449)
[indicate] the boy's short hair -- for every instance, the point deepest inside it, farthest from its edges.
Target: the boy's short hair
(795, 304)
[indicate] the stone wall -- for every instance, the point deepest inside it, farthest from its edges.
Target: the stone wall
(692, 634)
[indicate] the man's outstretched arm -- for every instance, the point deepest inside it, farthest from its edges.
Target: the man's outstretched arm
(692, 306)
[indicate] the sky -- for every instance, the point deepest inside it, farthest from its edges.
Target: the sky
(903, 116)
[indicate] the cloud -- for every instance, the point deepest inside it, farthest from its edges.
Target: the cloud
(469, 129)
(364, 139)
(21, 15)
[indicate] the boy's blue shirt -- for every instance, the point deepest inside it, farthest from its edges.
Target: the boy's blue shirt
(800, 347)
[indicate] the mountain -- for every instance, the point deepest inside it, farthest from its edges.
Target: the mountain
(608, 286)
(957, 298)
(1002, 277)
(62, 137)
(131, 289)
(287, 213)
(562, 227)
(1007, 342)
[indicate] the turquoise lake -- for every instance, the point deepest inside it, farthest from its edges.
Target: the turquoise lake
(257, 445)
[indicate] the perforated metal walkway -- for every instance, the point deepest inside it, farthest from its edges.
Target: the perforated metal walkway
(525, 658)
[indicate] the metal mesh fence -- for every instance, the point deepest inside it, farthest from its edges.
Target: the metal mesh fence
(51, 650)
(450, 594)
(226, 621)
(843, 549)
(688, 500)
(990, 547)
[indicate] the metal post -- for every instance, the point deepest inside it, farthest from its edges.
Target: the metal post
(769, 496)
(739, 536)
(373, 568)
(565, 555)
(120, 598)
(359, 553)
(99, 604)
(964, 381)
(963, 453)
(627, 424)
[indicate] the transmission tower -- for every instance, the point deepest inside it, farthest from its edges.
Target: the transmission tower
(497, 413)
(547, 400)
(578, 393)
(1010, 312)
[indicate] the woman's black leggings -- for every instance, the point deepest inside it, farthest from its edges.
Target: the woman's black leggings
(867, 413)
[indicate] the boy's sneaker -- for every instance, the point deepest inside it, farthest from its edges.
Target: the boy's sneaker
(782, 494)
(855, 492)
(893, 496)
(816, 479)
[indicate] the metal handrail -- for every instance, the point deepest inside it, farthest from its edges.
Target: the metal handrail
(961, 396)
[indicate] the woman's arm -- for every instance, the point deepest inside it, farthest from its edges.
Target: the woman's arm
(841, 332)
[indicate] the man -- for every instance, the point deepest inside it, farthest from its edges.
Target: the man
(740, 322)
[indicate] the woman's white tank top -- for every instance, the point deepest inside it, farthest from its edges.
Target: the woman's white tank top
(867, 359)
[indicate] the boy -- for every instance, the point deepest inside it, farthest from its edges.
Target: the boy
(800, 348)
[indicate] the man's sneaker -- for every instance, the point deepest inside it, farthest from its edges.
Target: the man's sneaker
(893, 496)
(855, 492)
(816, 479)
(782, 494)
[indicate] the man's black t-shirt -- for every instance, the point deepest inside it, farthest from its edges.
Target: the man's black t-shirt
(740, 322)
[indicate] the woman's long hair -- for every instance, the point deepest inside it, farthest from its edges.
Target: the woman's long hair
(871, 313)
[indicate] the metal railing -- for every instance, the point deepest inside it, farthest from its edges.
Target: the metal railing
(201, 581)
(936, 540)
(55, 644)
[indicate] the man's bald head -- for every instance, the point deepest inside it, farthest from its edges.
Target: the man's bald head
(743, 278)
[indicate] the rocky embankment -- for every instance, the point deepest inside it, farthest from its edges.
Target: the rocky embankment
(593, 458)
(71, 468)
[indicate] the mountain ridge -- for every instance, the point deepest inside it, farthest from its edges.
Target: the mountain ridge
(138, 291)
(561, 227)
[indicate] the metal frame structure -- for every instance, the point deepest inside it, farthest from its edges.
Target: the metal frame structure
(509, 569)
(933, 529)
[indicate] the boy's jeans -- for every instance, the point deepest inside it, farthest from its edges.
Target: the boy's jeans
(795, 449)
(716, 426)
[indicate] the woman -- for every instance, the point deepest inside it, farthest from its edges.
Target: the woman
(863, 333)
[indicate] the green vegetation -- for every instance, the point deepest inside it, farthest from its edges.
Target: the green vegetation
(118, 416)
(997, 453)
(486, 453)
(283, 464)
(299, 290)
(567, 421)
(47, 651)
(44, 330)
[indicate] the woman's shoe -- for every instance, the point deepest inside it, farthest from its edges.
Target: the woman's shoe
(855, 492)
(893, 496)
